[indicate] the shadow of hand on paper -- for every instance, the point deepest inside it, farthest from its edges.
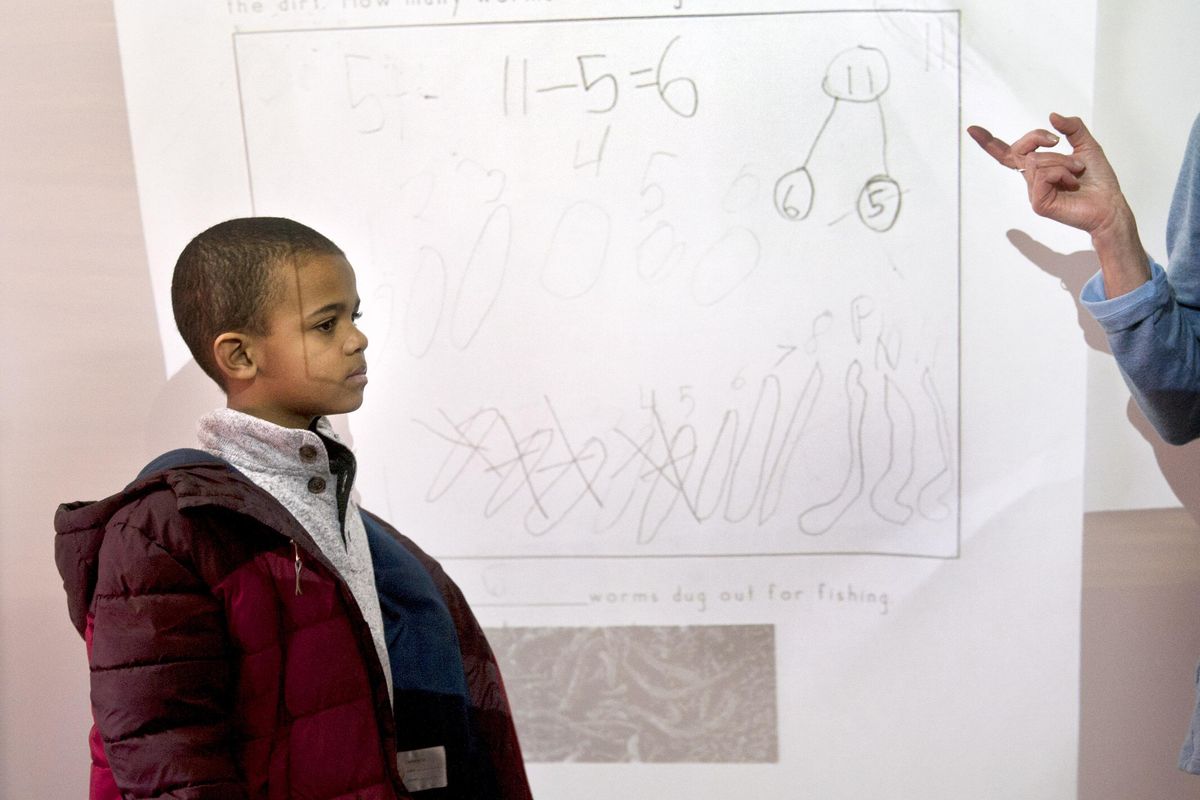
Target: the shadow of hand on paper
(1072, 271)
(1179, 464)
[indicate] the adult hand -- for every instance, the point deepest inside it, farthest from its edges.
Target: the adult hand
(1078, 189)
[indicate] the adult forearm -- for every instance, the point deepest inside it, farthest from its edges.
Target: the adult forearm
(1123, 261)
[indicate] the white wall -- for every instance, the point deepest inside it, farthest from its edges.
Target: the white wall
(78, 371)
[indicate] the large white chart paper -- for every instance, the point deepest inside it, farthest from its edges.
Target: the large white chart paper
(669, 360)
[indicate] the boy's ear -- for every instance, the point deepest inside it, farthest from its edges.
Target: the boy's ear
(232, 352)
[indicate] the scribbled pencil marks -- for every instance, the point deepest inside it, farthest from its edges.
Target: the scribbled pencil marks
(725, 266)
(823, 516)
(426, 302)
(886, 495)
(777, 478)
(750, 462)
(578, 251)
(482, 279)
(466, 439)
(413, 195)
(932, 498)
(677, 466)
(659, 252)
(429, 310)
(579, 466)
(668, 476)
(487, 183)
(742, 190)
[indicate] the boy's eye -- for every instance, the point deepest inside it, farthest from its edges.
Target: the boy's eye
(356, 316)
(327, 325)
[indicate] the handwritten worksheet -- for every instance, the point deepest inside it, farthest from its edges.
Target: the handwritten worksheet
(671, 360)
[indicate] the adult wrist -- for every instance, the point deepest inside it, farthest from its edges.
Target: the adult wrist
(1118, 246)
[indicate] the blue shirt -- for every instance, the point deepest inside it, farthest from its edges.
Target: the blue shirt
(1154, 331)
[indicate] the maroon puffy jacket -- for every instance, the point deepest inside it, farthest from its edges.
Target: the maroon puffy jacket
(229, 661)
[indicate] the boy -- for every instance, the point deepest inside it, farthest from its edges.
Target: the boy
(250, 632)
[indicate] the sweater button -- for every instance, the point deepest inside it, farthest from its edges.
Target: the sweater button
(316, 484)
(308, 452)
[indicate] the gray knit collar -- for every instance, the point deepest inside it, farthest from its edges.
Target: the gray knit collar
(249, 442)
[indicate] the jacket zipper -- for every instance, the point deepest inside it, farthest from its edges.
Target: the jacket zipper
(299, 567)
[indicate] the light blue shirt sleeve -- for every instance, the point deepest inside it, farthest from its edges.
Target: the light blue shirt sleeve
(1128, 309)
(1154, 331)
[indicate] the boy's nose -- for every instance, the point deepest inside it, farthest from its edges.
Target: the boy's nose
(356, 342)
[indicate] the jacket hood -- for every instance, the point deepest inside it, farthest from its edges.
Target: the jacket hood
(79, 526)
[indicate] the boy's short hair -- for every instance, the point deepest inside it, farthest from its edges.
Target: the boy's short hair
(224, 279)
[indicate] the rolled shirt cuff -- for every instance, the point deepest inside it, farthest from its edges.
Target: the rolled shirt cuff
(1130, 308)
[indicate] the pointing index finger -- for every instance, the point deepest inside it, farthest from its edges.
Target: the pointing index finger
(994, 147)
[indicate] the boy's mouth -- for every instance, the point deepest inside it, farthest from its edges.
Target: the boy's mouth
(358, 376)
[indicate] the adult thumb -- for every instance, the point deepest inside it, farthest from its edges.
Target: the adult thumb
(1073, 128)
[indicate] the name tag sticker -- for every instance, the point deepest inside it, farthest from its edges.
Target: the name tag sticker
(423, 769)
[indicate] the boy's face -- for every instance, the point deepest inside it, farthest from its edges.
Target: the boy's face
(311, 361)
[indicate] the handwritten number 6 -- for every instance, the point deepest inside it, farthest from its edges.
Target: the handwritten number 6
(689, 102)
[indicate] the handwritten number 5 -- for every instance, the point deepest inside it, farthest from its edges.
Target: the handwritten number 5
(588, 85)
(357, 98)
(648, 188)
